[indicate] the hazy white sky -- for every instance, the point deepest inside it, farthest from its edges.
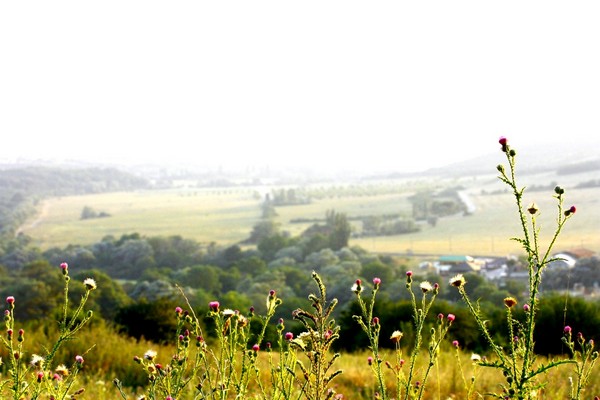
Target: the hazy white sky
(382, 84)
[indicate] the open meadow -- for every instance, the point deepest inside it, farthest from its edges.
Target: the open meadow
(112, 357)
(226, 216)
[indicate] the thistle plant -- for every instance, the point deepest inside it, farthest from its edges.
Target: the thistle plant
(585, 355)
(469, 384)
(315, 343)
(216, 373)
(408, 383)
(518, 361)
(41, 377)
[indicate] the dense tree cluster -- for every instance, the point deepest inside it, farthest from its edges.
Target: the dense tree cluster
(141, 277)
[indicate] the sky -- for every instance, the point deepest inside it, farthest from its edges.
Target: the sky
(383, 85)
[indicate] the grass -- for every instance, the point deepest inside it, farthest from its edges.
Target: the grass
(227, 216)
(224, 216)
(112, 357)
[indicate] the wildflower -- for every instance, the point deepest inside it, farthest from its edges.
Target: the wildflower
(10, 300)
(228, 313)
(475, 357)
(370, 360)
(289, 336)
(37, 361)
(65, 268)
(150, 355)
(451, 318)
(40, 376)
(214, 306)
(57, 377)
(558, 190)
(408, 278)
(504, 142)
(90, 284)
(357, 287)
(376, 282)
(396, 336)
(533, 209)
(375, 321)
(510, 302)
(567, 330)
(570, 211)
(255, 348)
(178, 310)
(62, 370)
(455, 343)
(526, 307)
(458, 281)
(426, 287)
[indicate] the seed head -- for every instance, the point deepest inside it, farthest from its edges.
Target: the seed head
(458, 281)
(533, 209)
(396, 336)
(89, 283)
(150, 355)
(510, 302)
(426, 287)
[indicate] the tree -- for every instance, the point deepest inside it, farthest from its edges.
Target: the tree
(340, 229)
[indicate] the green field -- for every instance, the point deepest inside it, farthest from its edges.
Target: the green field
(227, 216)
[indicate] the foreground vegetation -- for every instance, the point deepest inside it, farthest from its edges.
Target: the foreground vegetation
(269, 345)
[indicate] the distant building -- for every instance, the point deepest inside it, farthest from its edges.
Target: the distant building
(568, 258)
(449, 265)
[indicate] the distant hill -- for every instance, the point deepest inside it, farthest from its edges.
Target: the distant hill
(22, 188)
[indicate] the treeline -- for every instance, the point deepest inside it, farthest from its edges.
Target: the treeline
(140, 278)
(22, 188)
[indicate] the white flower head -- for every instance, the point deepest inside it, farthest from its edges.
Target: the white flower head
(37, 361)
(357, 288)
(228, 313)
(426, 286)
(89, 283)
(475, 357)
(150, 355)
(458, 281)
